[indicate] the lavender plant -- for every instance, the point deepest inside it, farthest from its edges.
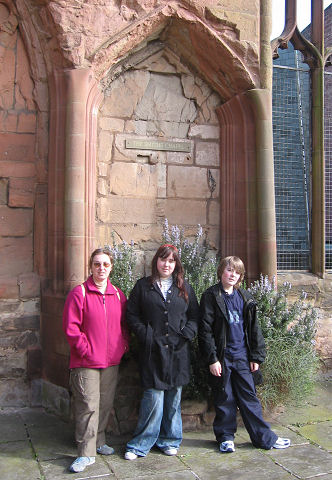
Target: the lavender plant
(123, 272)
(200, 268)
(289, 330)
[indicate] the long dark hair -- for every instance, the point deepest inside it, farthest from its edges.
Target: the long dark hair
(178, 274)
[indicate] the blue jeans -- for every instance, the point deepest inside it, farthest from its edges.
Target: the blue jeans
(159, 421)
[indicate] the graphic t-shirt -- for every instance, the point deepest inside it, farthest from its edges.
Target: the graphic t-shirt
(236, 346)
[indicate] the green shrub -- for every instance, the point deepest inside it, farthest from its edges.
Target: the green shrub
(289, 330)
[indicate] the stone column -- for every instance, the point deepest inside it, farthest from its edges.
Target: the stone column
(261, 101)
(317, 125)
(74, 225)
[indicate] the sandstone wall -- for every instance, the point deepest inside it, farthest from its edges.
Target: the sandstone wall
(137, 189)
(19, 284)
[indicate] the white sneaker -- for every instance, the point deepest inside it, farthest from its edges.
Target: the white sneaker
(170, 451)
(130, 456)
(281, 443)
(81, 463)
(227, 446)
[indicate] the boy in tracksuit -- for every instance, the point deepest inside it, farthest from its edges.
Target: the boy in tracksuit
(231, 341)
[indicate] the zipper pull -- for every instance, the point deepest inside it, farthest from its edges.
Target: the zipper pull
(104, 299)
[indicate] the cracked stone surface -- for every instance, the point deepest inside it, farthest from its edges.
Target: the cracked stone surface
(35, 445)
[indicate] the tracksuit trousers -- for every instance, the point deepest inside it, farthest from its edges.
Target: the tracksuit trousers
(239, 392)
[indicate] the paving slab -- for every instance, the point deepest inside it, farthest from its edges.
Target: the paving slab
(58, 470)
(11, 427)
(303, 461)
(17, 461)
(155, 463)
(240, 465)
(317, 408)
(38, 417)
(52, 442)
(319, 433)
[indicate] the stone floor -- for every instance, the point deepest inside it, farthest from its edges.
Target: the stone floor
(35, 445)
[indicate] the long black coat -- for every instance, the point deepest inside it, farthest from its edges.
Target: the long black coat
(164, 329)
(213, 329)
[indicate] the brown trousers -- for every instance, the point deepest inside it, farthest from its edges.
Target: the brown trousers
(93, 392)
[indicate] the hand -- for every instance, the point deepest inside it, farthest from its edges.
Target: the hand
(215, 369)
(254, 366)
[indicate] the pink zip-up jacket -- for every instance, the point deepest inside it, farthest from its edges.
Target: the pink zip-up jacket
(95, 326)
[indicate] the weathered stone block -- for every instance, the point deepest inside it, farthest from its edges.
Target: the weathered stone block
(205, 132)
(15, 169)
(31, 307)
(10, 308)
(27, 122)
(14, 392)
(56, 399)
(133, 210)
(207, 111)
(17, 148)
(23, 82)
(190, 182)
(102, 169)
(15, 222)
(7, 60)
(16, 252)
(181, 157)
(21, 192)
(105, 142)
(130, 88)
(185, 212)
(29, 284)
(213, 212)
(8, 121)
(134, 180)
(13, 362)
(25, 340)
(111, 124)
(8, 287)
(129, 232)
(102, 186)
(3, 191)
(207, 153)
(163, 100)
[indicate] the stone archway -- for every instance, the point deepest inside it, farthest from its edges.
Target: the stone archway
(209, 49)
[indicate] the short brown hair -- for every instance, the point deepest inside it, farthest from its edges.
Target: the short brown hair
(234, 262)
(99, 251)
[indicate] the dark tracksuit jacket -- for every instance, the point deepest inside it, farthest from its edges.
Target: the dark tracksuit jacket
(213, 329)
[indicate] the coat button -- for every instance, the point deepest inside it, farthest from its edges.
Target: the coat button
(166, 334)
(166, 323)
(166, 346)
(165, 312)
(169, 291)
(168, 301)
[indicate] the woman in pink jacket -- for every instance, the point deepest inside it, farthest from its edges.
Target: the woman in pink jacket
(94, 324)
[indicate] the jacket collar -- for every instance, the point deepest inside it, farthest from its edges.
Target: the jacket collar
(91, 286)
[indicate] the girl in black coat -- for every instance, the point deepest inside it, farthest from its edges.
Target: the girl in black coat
(162, 311)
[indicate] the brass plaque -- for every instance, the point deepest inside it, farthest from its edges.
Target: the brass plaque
(158, 145)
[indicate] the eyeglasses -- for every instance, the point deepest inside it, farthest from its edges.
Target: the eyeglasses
(98, 264)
